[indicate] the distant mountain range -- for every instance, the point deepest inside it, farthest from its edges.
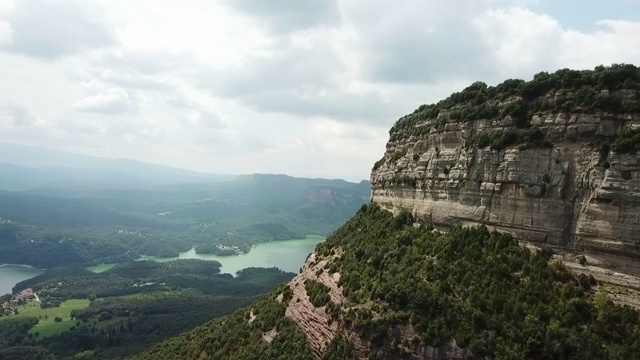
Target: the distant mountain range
(54, 206)
(26, 168)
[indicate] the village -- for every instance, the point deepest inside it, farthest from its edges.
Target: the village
(10, 303)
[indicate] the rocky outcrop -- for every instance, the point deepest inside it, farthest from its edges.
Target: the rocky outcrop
(573, 193)
(319, 329)
(315, 322)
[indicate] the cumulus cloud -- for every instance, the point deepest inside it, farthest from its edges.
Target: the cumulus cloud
(309, 75)
(522, 42)
(12, 114)
(282, 16)
(417, 42)
(207, 119)
(108, 101)
(50, 29)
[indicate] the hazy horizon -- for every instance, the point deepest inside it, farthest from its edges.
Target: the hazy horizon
(97, 163)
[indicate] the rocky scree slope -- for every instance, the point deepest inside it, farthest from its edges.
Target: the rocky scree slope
(552, 161)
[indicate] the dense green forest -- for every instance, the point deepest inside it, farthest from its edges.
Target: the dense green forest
(49, 228)
(133, 306)
(494, 297)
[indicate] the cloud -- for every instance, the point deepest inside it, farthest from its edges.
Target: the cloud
(50, 29)
(108, 101)
(306, 76)
(14, 115)
(417, 42)
(282, 16)
(522, 42)
(332, 103)
(309, 87)
(207, 119)
(5, 33)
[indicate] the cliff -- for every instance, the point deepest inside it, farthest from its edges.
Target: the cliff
(543, 167)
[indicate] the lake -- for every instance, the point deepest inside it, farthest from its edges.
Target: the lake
(288, 255)
(10, 275)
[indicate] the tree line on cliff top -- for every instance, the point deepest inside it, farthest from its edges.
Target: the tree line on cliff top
(606, 88)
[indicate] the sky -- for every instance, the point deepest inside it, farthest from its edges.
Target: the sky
(307, 87)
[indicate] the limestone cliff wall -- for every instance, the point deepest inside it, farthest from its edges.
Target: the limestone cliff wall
(574, 194)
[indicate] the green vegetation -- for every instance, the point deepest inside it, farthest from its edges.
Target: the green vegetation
(529, 138)
(221, 250)
(482, 289)
(340, 348)
(605, 89)
(627, 142)
(92, 227)
(51, 321)
(494, 297)
(14, 330)
(318, 292)
(130, 307)
(236, 337)
(26, 353)
(100, 267)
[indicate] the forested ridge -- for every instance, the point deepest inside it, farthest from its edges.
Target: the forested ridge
(492, 296)
(604, 89)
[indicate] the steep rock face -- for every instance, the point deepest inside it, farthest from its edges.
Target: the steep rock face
(315, 322)
(572, 193)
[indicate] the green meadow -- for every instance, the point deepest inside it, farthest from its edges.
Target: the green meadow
(100, 267)
(47, 325)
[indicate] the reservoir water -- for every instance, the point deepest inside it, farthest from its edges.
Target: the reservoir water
(10, 275)
(287, 255)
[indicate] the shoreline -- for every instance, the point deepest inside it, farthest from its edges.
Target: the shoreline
(23, 266)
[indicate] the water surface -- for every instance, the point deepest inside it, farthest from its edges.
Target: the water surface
(288, 255)
(10, 275)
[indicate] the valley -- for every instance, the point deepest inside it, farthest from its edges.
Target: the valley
(46, 228)
(287, 255)
(117, 266)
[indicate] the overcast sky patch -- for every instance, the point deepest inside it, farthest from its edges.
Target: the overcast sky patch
(48, 29)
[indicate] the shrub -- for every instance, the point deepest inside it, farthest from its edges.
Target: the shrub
(318, 292)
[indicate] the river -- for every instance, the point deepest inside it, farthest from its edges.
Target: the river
(10, 275)
(287, 255)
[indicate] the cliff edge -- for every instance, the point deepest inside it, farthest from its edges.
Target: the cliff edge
(552, 161)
